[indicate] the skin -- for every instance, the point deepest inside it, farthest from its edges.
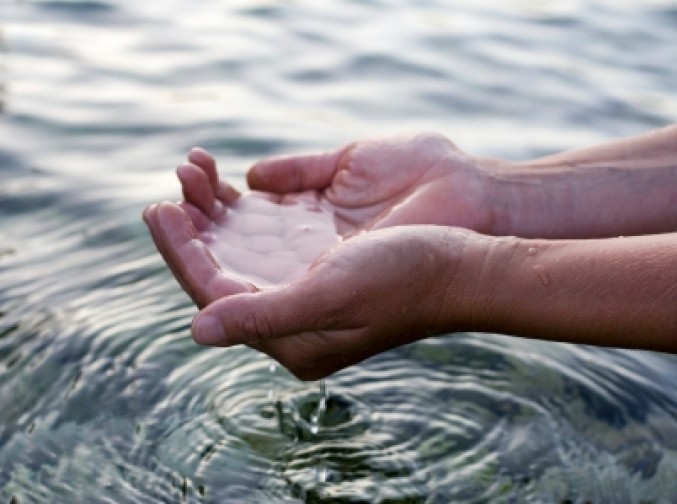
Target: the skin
(479, 244)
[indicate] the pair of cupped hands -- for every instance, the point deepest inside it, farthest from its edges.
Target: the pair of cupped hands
(350, 241)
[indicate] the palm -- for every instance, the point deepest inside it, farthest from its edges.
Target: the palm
(268, 242)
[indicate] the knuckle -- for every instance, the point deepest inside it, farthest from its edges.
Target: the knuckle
(431, 137)
(346, 155)
(256, 327)
(432, 140)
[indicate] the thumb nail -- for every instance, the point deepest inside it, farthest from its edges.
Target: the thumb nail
(207, 330)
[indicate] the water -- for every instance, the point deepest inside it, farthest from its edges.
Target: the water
(105, 398)
(271, 244)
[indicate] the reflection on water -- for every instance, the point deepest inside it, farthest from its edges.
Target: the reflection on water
(3, 76)
(105, 398)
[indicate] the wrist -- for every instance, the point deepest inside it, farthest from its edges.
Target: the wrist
(504, 197)
(497, 284)
(476, 265)
(531, 199)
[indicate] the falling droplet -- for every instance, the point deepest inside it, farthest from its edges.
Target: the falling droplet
(542, 274)
(272, 390)
(321, 473)
(316, 418)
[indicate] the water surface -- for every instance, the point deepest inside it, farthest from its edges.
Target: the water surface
(105, 398)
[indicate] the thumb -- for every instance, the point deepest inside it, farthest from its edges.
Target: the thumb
(287, 174)
(252, 318)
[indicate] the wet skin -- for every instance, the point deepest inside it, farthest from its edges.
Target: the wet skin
(410, 263)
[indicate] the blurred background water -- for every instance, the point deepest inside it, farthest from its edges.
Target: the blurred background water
(103, 395)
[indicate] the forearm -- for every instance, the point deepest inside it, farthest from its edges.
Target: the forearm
(627, 187)
(618, 292)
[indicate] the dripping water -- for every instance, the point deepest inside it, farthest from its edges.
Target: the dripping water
(316, 418)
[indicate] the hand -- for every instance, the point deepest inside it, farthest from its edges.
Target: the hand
(262, 238)
(422, 179)
(372, 293)
(190, 236)
(354, 302)
(355, 299)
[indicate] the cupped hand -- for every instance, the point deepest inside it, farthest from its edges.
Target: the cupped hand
(336, 303)
(419, 179)
(251, 240)
(365, 295)
(372, 293)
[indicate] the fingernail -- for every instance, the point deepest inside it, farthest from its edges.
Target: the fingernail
(147, 211)
(207, 330)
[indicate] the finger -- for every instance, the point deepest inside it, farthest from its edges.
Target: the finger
(150, 218)
(191, 261)
(297, 173)
(196, 187)
(256, 318)
(204, 160)
(226, 193)
(199, 219)
(223, 191)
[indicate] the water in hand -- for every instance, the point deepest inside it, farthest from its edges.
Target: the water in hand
(270, 243)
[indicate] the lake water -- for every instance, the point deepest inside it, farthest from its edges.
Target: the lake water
(104, 397)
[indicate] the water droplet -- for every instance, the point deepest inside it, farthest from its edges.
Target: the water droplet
(208, 237)
(321, 473)
(272, 390)
(542, 274)
(316, 418)
(532, 251)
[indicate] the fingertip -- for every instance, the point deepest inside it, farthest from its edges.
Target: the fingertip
(146, 214)
(182, 171)
(205, 161)
(255, 176)
(252, 177)
(164, 206)
(277, 175)
(171, 217)
(196, 186)
(207, 330)
(295, 173)
(198, 154)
